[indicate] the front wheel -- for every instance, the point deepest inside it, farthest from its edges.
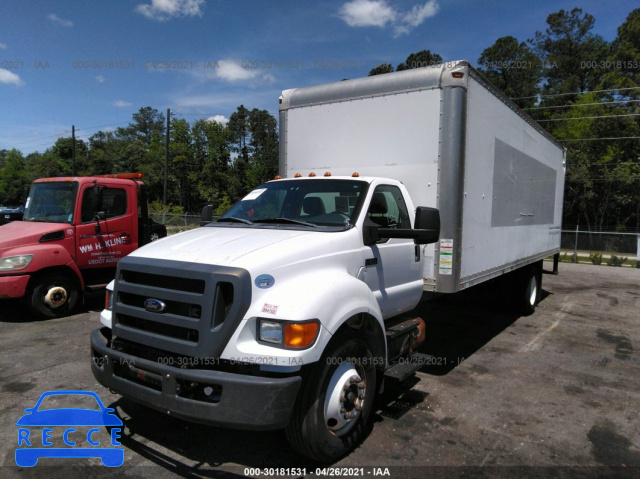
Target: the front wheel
(53, 295)
(332, 410)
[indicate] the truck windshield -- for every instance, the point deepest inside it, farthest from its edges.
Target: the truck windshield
(303, 203)
(51, 202)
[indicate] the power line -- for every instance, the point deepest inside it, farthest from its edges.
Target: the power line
(57, 135)
(549, 95)
(100, 126)
(589, 117)
(580, 104)
(598, 139)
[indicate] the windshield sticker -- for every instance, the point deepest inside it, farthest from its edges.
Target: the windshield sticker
(269, 308)
(264, 281)
(254, 194)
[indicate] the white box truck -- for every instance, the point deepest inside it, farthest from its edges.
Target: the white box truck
(290, 311)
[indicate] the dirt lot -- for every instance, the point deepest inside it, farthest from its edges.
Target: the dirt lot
(553, 394)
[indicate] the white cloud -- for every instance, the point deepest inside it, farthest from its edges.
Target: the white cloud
(378, 13)
(367, 13)
(10, 78)
(231, 71)
(223, 120)
(121, 103)
(59, 20)
(3, 46)
(100, 79)
(162, 10)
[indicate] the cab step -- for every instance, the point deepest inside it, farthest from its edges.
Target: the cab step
(407, 366)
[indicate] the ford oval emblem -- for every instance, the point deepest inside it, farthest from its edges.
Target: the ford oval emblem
(154, 305)
(264, 281)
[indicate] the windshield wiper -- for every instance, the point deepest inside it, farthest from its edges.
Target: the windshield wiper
(286, 221)
(233, 219)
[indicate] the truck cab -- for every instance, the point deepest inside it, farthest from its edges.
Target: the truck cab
(73, 233)
(265, 305)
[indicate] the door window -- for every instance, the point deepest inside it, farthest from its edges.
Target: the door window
(110, 201)
(388, 209)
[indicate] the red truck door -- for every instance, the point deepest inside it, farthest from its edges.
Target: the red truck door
(107, 227)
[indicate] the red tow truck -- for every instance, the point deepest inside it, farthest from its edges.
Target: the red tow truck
(73, 233)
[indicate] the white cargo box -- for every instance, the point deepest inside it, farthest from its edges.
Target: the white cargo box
(457, 144)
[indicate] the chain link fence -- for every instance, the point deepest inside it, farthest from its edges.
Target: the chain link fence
(176, 223)
(601, 247)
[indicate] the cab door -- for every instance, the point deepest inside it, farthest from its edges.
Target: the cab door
(107, 228)
(392, 266)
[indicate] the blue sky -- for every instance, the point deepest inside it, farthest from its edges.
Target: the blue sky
(93, 64)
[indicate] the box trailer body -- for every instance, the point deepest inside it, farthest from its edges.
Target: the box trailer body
(457, 144)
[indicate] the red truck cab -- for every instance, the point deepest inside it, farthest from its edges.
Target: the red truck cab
(74, 232)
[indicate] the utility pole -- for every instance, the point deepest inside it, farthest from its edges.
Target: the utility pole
(166, 157)
(73, 150)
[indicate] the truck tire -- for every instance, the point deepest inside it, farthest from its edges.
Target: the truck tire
(53, 295)
(332, 409)
(528, 289)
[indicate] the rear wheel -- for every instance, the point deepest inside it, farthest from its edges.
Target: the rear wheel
(53, 295)
(332, 410)
(528, 289)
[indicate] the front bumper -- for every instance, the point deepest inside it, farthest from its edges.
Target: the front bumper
(245, 402)
(13, 286)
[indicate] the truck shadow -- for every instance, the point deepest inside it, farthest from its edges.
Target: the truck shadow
(195, 450)
(458, 325)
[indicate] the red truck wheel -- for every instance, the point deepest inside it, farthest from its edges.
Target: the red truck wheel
(54, 295)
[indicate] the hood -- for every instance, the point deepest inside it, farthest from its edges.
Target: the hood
(248, 248)
(24, 233)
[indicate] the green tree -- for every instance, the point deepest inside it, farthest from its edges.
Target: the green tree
(103, 149)
(239, 138)
(624, 60)
(421, 59)
(380, 69)
(14, 183)
(182, 163)
(570, 54)
(212, 155)
(513, 68)
(602, 176)
(264, 160)
(141, 148)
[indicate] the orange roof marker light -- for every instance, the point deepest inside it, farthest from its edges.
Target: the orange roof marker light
(457, 74)
(312, 174)
(327, 173)
(277, 177)
(355, 174)
(297, 175)
(123, 176)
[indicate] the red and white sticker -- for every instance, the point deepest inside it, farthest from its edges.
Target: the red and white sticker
(269, 308)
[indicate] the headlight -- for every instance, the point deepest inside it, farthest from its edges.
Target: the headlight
(288, 334)
(15, 263)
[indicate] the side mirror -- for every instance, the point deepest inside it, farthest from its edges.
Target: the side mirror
(427, 229)
(207, 215)
(428, 224)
